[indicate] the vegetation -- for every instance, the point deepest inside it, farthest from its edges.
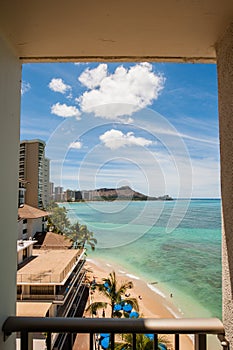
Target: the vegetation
(143, 342)
(58, 222)
(81, 236)
(115, 294)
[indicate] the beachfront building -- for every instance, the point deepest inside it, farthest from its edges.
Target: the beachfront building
(77, 196)
(70, 195)
(86, 195)
(46, 183)
(58, 194)
(168, 30)
(24, 251)
(22, 191)
(53, 281)
(34, 169)
(51, 191)
(31, 221)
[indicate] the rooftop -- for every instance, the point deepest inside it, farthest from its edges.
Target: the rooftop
(28, 212)
(51, 240)
(49, 267)
(21, 245)
(34, 309)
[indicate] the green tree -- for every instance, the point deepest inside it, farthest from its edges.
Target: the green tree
(82, 237)
(142, 342)
(59, 220)
(115, 294)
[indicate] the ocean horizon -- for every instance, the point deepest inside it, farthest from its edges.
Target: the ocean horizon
(175, 246)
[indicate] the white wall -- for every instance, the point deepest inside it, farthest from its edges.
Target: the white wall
(10, 75)
(33, 226)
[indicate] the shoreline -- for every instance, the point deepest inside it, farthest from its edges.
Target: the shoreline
(141, 287)
(153, 303)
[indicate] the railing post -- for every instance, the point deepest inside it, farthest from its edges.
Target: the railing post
(155, 341)
(200, 342)
(224, 342)
(48, 341)
(177, 341)
(24, 340)
(91, 341)
(134, 341)
(112, 341)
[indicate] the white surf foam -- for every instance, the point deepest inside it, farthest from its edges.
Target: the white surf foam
(176, 315)
(156, 290)
(132, 276)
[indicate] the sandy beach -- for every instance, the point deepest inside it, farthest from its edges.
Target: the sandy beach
(151, 304)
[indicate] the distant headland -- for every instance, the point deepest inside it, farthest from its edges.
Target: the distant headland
(121, 193)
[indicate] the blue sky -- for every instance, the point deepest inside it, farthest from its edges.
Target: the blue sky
(153, 127)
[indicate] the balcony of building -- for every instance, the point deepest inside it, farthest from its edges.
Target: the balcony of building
(198, 329)
(169, 30)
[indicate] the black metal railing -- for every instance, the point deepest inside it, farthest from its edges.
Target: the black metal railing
(199, 327)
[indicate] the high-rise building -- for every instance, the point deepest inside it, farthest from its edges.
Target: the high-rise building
(46, 190)
(59, 194)
(34, 168)
(51, 191)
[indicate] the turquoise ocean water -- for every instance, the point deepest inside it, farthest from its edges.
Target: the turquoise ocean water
(185, 261)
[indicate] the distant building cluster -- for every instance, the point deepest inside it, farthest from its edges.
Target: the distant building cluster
(51, 279)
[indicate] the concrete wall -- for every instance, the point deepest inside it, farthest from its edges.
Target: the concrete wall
(224, 50)
(10, 75)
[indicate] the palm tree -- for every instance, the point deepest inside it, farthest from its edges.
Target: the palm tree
(59, 220)
(143, 342)
(82, 236)
(114, 293)
(86, 237)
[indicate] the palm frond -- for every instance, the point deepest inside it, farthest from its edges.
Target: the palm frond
(133, 302)
(96, 306)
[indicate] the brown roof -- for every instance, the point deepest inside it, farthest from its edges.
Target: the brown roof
(54, 240)
(49, 266)
(28, 212)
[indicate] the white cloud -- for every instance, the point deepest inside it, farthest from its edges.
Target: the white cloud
(25, 87)
(92, 78)
(62, 110)
(114, 139)
(76, 145)
(58, 85)
(119, 94)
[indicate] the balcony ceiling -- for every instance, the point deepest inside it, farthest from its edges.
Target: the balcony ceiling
(122, 29)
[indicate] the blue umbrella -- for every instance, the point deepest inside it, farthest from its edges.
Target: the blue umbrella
(150, 336)
(127, 307)
(104, 335)
(162, 346)
(134, 314)
(105, 343)
(117, 307)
